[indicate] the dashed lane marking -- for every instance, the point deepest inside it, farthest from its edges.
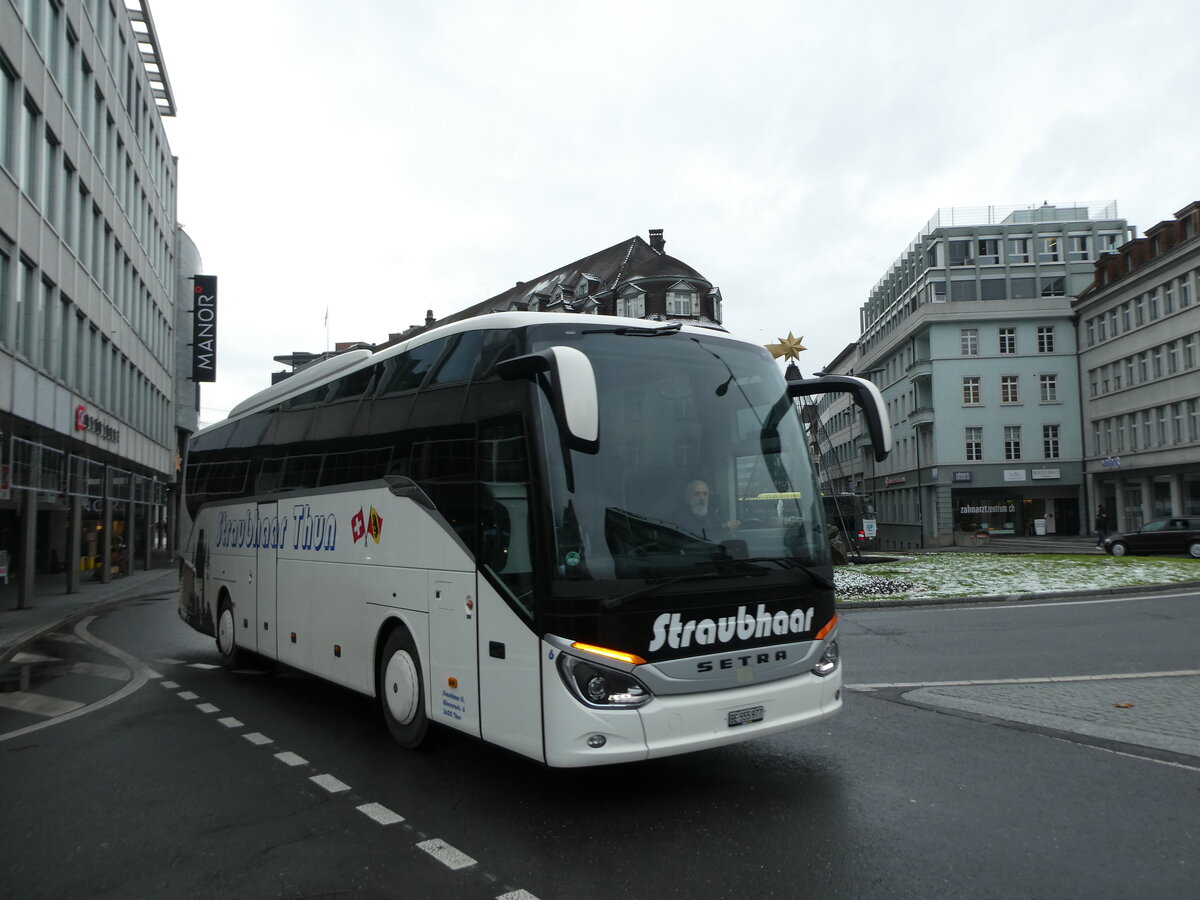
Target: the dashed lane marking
(257, 739)
(331, 784)
(380, 813)
(288, 758)
(38, 704)
(169, 685)
(231, 722)
(207, 708)
(188, 695)
(448, 856)
(517, 895)
(202, 666)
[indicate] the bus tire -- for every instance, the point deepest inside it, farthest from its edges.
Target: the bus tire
(226, 630)
(402, 690)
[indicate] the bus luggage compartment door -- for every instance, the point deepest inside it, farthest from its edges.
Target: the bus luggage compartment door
(453, 662)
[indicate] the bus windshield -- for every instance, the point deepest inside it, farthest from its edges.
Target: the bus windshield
(703, 472)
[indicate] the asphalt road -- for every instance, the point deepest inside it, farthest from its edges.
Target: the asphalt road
(200, 782)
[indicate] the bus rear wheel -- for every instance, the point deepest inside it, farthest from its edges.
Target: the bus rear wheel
(402, 690)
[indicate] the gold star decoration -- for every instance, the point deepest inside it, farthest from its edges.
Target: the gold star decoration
(788, 347)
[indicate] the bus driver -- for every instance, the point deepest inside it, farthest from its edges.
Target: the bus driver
(701, 517)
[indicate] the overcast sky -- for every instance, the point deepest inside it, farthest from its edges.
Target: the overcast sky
(381, 158)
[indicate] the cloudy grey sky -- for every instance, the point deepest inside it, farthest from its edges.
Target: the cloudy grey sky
(378, 158)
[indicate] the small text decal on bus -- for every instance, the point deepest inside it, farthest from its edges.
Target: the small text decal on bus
(670, 630)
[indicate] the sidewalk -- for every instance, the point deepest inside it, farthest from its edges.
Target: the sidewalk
(51, 605)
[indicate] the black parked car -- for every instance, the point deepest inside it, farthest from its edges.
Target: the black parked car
(1174, 534)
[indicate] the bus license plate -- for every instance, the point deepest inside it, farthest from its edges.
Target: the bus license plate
(743, 716)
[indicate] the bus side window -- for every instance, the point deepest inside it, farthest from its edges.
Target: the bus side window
(504, 509)
(459, 362)
(444, 467)
(409, 369)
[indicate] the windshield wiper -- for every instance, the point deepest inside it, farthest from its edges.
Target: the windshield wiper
(611, 603)
(790, 562)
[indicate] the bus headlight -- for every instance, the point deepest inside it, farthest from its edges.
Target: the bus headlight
(599, 686)
(829, 660)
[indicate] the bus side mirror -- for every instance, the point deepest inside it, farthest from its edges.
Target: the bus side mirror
(865, 394)
(571, 389)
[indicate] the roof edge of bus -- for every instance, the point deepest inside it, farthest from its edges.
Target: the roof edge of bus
(343, 363)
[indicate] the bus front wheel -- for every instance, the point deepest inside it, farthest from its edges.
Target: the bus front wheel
(401, 690)
(227, 633)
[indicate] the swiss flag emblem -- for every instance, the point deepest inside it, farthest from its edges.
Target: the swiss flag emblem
(358, 526)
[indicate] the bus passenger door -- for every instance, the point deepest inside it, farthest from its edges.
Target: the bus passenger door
(453, 660)
(267, 580)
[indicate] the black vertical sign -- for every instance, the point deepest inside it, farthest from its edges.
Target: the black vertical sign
(204, 328)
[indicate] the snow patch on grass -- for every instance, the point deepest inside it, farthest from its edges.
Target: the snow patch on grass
(938, 575)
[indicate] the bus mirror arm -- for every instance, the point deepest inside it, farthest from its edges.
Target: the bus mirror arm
(570, 387)
(402, 486)
(865, 394)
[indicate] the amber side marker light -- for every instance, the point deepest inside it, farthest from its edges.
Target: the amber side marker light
(631, 658)
(824, 632)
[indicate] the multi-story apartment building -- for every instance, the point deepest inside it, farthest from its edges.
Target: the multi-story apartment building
(88, 283)
(1139, 368)
(970, 337)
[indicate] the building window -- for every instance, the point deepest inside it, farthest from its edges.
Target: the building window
(1173, 357)
(1049, 388)
(1154, 308)
(1109, 243)
(1022, 288)
(993, 289)
(1194, 420)
(963, 290)
(1126, 316)
(1189, 351)
(1012, 441)
(1018, 250)
(1185, 291)
(989, 251)
(969, 341)
(1008, 389)
(960, 253)
(679, 303)
(1079, 248)
(1008, 340)
(1045, 339)
(1054, 286)
(1140, 312)
(936, 292)
(971, 390)
(974, 443)
(1168, 298)
(1050, 441)
(1049, 249)
(1159, 358)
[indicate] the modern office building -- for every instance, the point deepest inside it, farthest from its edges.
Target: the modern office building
(970, 337)
(1139, 368)
(89, 324)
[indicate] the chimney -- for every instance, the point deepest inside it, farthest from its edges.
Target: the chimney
(657, 241)
(428, 317)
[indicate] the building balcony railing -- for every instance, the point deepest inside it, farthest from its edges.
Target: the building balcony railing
(922, 415)
(920, 368)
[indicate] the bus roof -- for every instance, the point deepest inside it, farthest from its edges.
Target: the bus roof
(315, 374)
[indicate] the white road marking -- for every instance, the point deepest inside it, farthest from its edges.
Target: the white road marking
(257, 739)
(230, 722)
(207, 708)
(169, 685)
(445, 854)
(288, 758)
(23, 657)
(517, 895)
(330, 783)
(168, 661)
(115, 673)
(38, 704)
(134, 665)
(983, 607)
(187, 695)
(65, 638)
(202, 666)
(1048, 679)
(380, 813)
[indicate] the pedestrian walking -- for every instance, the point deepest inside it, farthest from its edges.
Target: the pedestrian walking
(1101, 526)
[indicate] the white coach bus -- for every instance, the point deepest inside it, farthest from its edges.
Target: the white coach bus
(587, 539)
